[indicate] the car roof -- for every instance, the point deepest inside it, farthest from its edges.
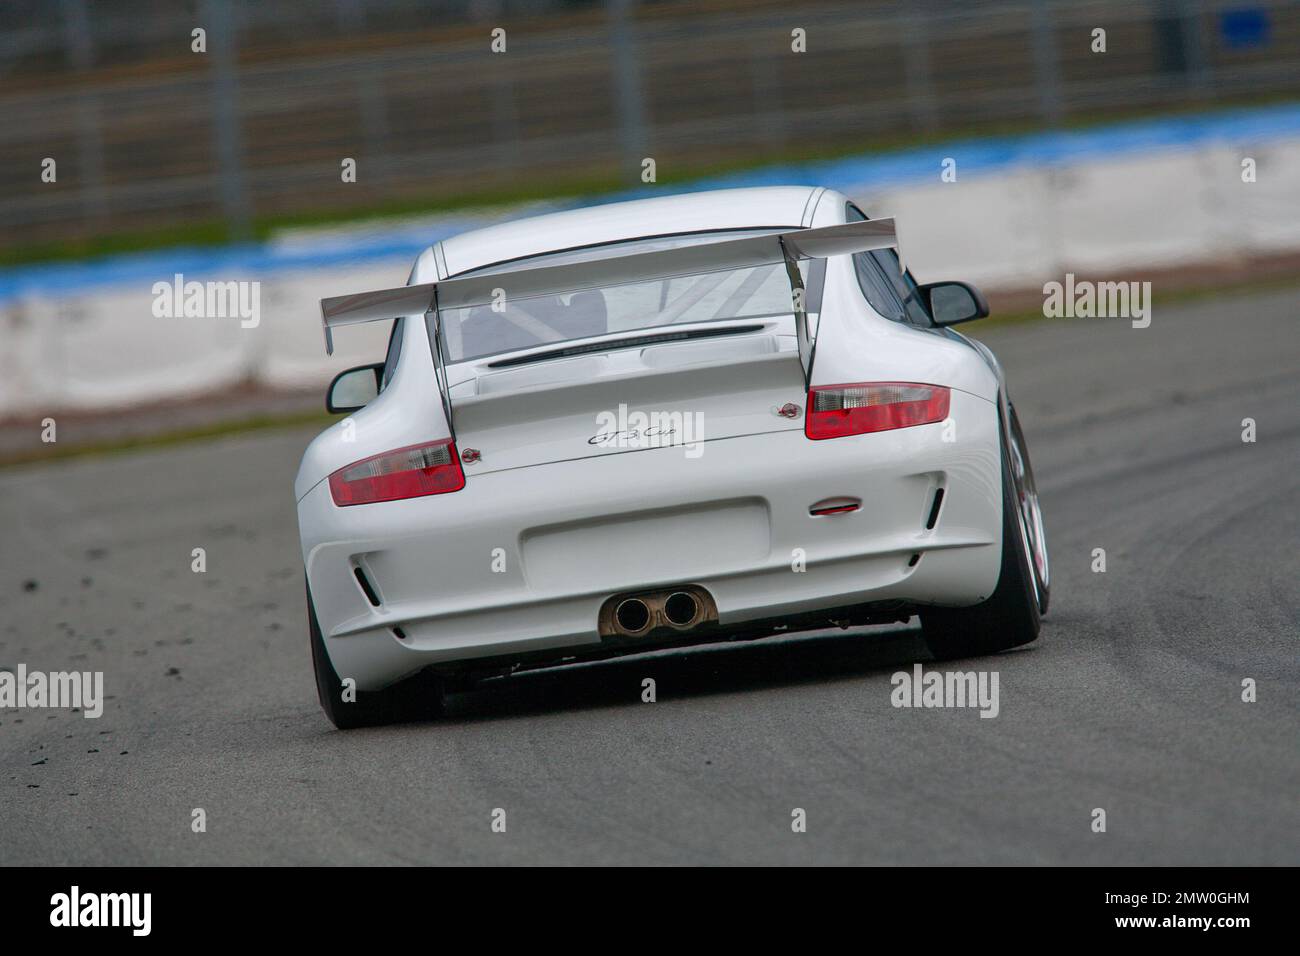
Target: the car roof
(755, 207)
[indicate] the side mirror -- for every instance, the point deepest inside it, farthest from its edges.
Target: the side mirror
(951, 302)
(356, 388)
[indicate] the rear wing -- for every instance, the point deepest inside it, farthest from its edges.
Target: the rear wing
(477, 290)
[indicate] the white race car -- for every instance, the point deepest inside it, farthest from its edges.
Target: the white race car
(697, 418)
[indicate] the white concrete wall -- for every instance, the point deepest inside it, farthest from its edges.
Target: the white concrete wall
(1025, 226)
(105, 348)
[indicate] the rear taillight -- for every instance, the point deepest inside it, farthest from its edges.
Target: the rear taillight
(838, 410)
(410, 472)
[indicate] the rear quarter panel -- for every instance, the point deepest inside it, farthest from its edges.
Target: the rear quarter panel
(407, 412)
(855, 344)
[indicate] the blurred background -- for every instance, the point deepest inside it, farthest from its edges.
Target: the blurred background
(218, 156)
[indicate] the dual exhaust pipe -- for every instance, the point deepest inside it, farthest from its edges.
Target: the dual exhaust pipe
(679, 609)
(636, 615)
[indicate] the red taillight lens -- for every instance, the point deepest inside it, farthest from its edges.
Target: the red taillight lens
(410, 472)
(838, 410)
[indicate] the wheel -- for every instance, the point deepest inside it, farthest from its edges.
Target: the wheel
(1031, 513)
(1012, 614)
(415, 698)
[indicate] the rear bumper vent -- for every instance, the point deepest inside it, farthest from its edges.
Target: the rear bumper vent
(367, 588)
(931, 521)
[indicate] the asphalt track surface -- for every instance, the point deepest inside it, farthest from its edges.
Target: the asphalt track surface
(1130, 701)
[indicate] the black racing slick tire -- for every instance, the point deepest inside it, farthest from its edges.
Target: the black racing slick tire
(1012, 614)
(416, 698)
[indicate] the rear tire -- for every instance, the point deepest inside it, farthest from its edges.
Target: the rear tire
(1011, 616)
(417, 697)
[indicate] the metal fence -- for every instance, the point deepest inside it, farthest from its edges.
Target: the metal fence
(148, 135)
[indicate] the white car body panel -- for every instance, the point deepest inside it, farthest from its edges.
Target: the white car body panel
(573, 523)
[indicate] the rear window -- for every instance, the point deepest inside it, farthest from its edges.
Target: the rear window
(521, 323)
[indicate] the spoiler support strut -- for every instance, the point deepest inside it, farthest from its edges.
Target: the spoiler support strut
(798, 296)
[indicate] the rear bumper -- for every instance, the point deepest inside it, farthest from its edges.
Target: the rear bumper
(519, 561)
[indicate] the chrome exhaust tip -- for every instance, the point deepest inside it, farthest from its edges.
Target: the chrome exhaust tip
(681, 609)
(632, 616)
(687, 607)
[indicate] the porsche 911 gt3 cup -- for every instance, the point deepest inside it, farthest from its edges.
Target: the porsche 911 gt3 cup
(698, 418)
